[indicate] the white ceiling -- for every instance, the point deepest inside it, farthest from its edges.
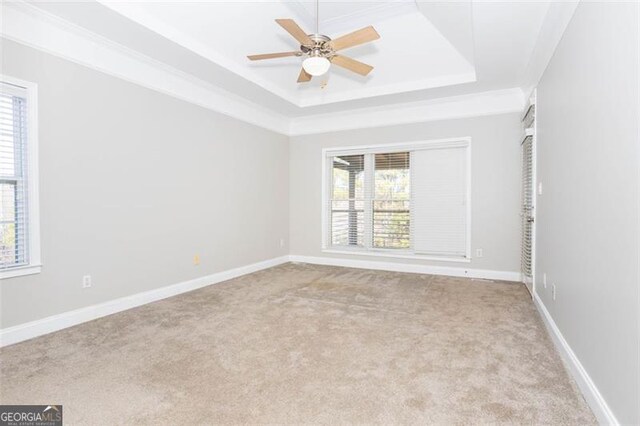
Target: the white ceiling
(427, 51)
(411, 53)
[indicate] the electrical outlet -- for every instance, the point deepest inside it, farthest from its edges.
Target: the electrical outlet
(544, 280)
(196, 259)
(539, 188)
(86, 281)
(553, 291)
(479, 253)
(281, 242)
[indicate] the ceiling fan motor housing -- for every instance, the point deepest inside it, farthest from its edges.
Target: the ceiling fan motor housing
(321, 47)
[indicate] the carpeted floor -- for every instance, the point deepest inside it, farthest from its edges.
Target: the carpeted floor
(306, 344)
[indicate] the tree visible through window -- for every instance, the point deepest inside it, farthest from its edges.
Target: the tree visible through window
(392, 194)
(381, 201)
(347, 205)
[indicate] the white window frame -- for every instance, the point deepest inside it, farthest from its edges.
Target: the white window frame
(33, 201)
(385, 148)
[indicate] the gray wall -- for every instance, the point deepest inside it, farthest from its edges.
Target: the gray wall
(588, 212)
(495, 186)
(133, 183)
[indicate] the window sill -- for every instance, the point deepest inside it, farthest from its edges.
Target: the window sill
(397, 255)
(20, 271)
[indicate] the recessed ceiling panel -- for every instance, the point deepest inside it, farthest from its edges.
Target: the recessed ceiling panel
(412, 53)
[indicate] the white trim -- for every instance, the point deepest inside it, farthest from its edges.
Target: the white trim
(22, 332)
(34, 27)
(20, 271)
(388, 89)
(468, 200)
(369, 195)
(465, 106)
(591, 393)
(131, 11)
(30, 330)
(409, 267)
(395, 255)
(553, 26)
(462, 141)
(33, 190)
(324, 217)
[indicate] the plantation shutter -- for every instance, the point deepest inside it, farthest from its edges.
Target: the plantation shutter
(13, 180)
(439, 201)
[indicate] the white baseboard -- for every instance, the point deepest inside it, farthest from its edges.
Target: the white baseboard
(22, 332)
(410, 267)
(592, 395)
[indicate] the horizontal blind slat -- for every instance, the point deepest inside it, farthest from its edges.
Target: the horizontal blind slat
(439, 196)
(14, 231)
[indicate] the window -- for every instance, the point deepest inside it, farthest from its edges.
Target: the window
(19, 244)
(391, 198)
(347, 201)
(406, 200)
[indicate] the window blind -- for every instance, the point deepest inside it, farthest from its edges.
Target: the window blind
(527, 204)
(439, 198)
(391, 214)
(409, 201)
(13, 178)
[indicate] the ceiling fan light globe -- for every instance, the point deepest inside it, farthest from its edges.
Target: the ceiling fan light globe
(316, 65)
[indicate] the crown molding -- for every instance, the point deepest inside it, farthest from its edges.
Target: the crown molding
(322, 98)
(553, 27)
(131, 11)
(474, 105)
(34, 27)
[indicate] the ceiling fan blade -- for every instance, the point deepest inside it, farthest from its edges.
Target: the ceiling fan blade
(297, 32)
(351, 64)
(304, 76)
(355, 38)
(273, 55)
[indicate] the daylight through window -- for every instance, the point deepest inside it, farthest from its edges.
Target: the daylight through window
(411, 201)
(14, 214)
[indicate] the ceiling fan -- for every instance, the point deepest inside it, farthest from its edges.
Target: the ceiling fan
(321, 51)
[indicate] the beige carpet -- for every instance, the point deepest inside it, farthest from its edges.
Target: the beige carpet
(307, 344)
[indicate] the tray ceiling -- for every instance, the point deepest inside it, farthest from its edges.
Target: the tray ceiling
(428, 51)
(412, 54)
